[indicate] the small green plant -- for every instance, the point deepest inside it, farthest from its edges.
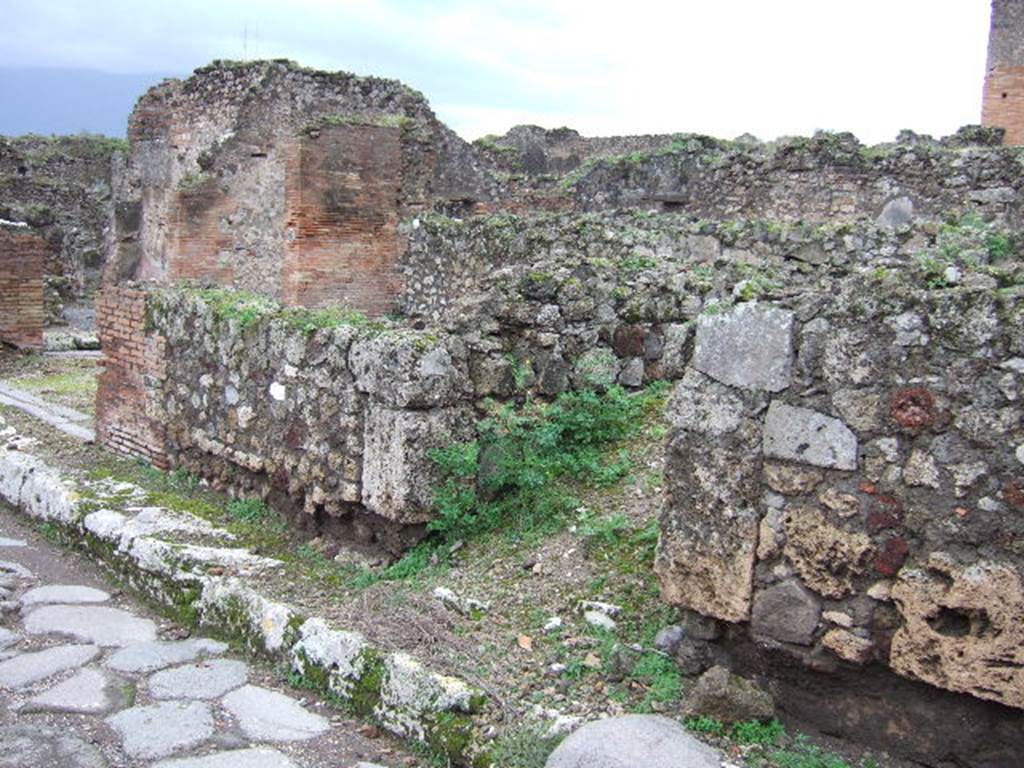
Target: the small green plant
(526, 746)
(706, 724)
(637, 263)
(703, 278)
(310, 320)
(508, 476)
(755, 282)
(604, 530)
(755, 732)
(803, 754)
(50, 531)
(248, 510)
(413, 563)
(661, 676)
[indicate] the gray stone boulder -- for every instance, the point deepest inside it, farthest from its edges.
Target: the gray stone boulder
(728, 698)
(632, 741)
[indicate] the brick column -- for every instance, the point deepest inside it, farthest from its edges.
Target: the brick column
(23, 257)
(129, 398)
(1003, 100)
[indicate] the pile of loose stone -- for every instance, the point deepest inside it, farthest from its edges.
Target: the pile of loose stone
(65, 650)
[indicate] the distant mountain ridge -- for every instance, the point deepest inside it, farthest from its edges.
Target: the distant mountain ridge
(64, 101)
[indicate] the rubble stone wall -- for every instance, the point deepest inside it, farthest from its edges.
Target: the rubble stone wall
(846, 460)
(827, 177)
(331, 420)
(23, 259)
(62, 187)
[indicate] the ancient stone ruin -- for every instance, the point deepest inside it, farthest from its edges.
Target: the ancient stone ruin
(842, 325)
(310, 284)
(62, 189)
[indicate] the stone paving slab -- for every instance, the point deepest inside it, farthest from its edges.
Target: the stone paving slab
(260, 757)
(15, 569)
(202, 680)
(95, 624)
(32, 746)
(7, 638)
(265, 715)
(90, 692)
(5, 542)
(28, 668)
(68, 594)
(67, 420)
(160, 730)
(157, 654)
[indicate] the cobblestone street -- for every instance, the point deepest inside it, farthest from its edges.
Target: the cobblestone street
(91, 679)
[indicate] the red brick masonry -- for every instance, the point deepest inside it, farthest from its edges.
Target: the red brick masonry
(23, 257)
(1003, 105)
(128, 409)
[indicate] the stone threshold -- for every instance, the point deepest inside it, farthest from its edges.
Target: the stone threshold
(210, 585)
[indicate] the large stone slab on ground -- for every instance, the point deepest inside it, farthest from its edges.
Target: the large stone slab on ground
(630, 741)
(66, 594)
(28, 668)
(33, 746)
(202, 680)
(157, 654)
(89, 692)
(7, 638)
(800, 434)
(15, 569)
(5, 542)
(162, 729)
(750, 347)
(95, 624)
(265, 715)
(260, 757)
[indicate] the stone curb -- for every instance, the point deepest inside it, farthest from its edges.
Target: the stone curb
(204, 586)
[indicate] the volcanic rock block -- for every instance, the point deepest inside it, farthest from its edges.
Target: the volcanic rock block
(398, 473)
(800, 434)
(963, 628)
(750, 347)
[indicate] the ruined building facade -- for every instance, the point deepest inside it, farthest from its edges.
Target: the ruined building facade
(841, 327)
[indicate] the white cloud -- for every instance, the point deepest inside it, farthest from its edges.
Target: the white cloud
(733, 66)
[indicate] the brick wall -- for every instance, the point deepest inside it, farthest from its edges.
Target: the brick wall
(342, 194)
(128, 409)
(23, 257)
(200, 248)
(1003, 104)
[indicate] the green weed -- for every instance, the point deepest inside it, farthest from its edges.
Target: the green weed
(526, 746)
(248, 510)
(508, 477)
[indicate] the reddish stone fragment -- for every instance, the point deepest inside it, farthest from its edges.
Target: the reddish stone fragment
(628, 340)
(891, 557)
(913, 408)
(886, 512)
(1013, 493)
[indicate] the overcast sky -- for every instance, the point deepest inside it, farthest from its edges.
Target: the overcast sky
(722, 67)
